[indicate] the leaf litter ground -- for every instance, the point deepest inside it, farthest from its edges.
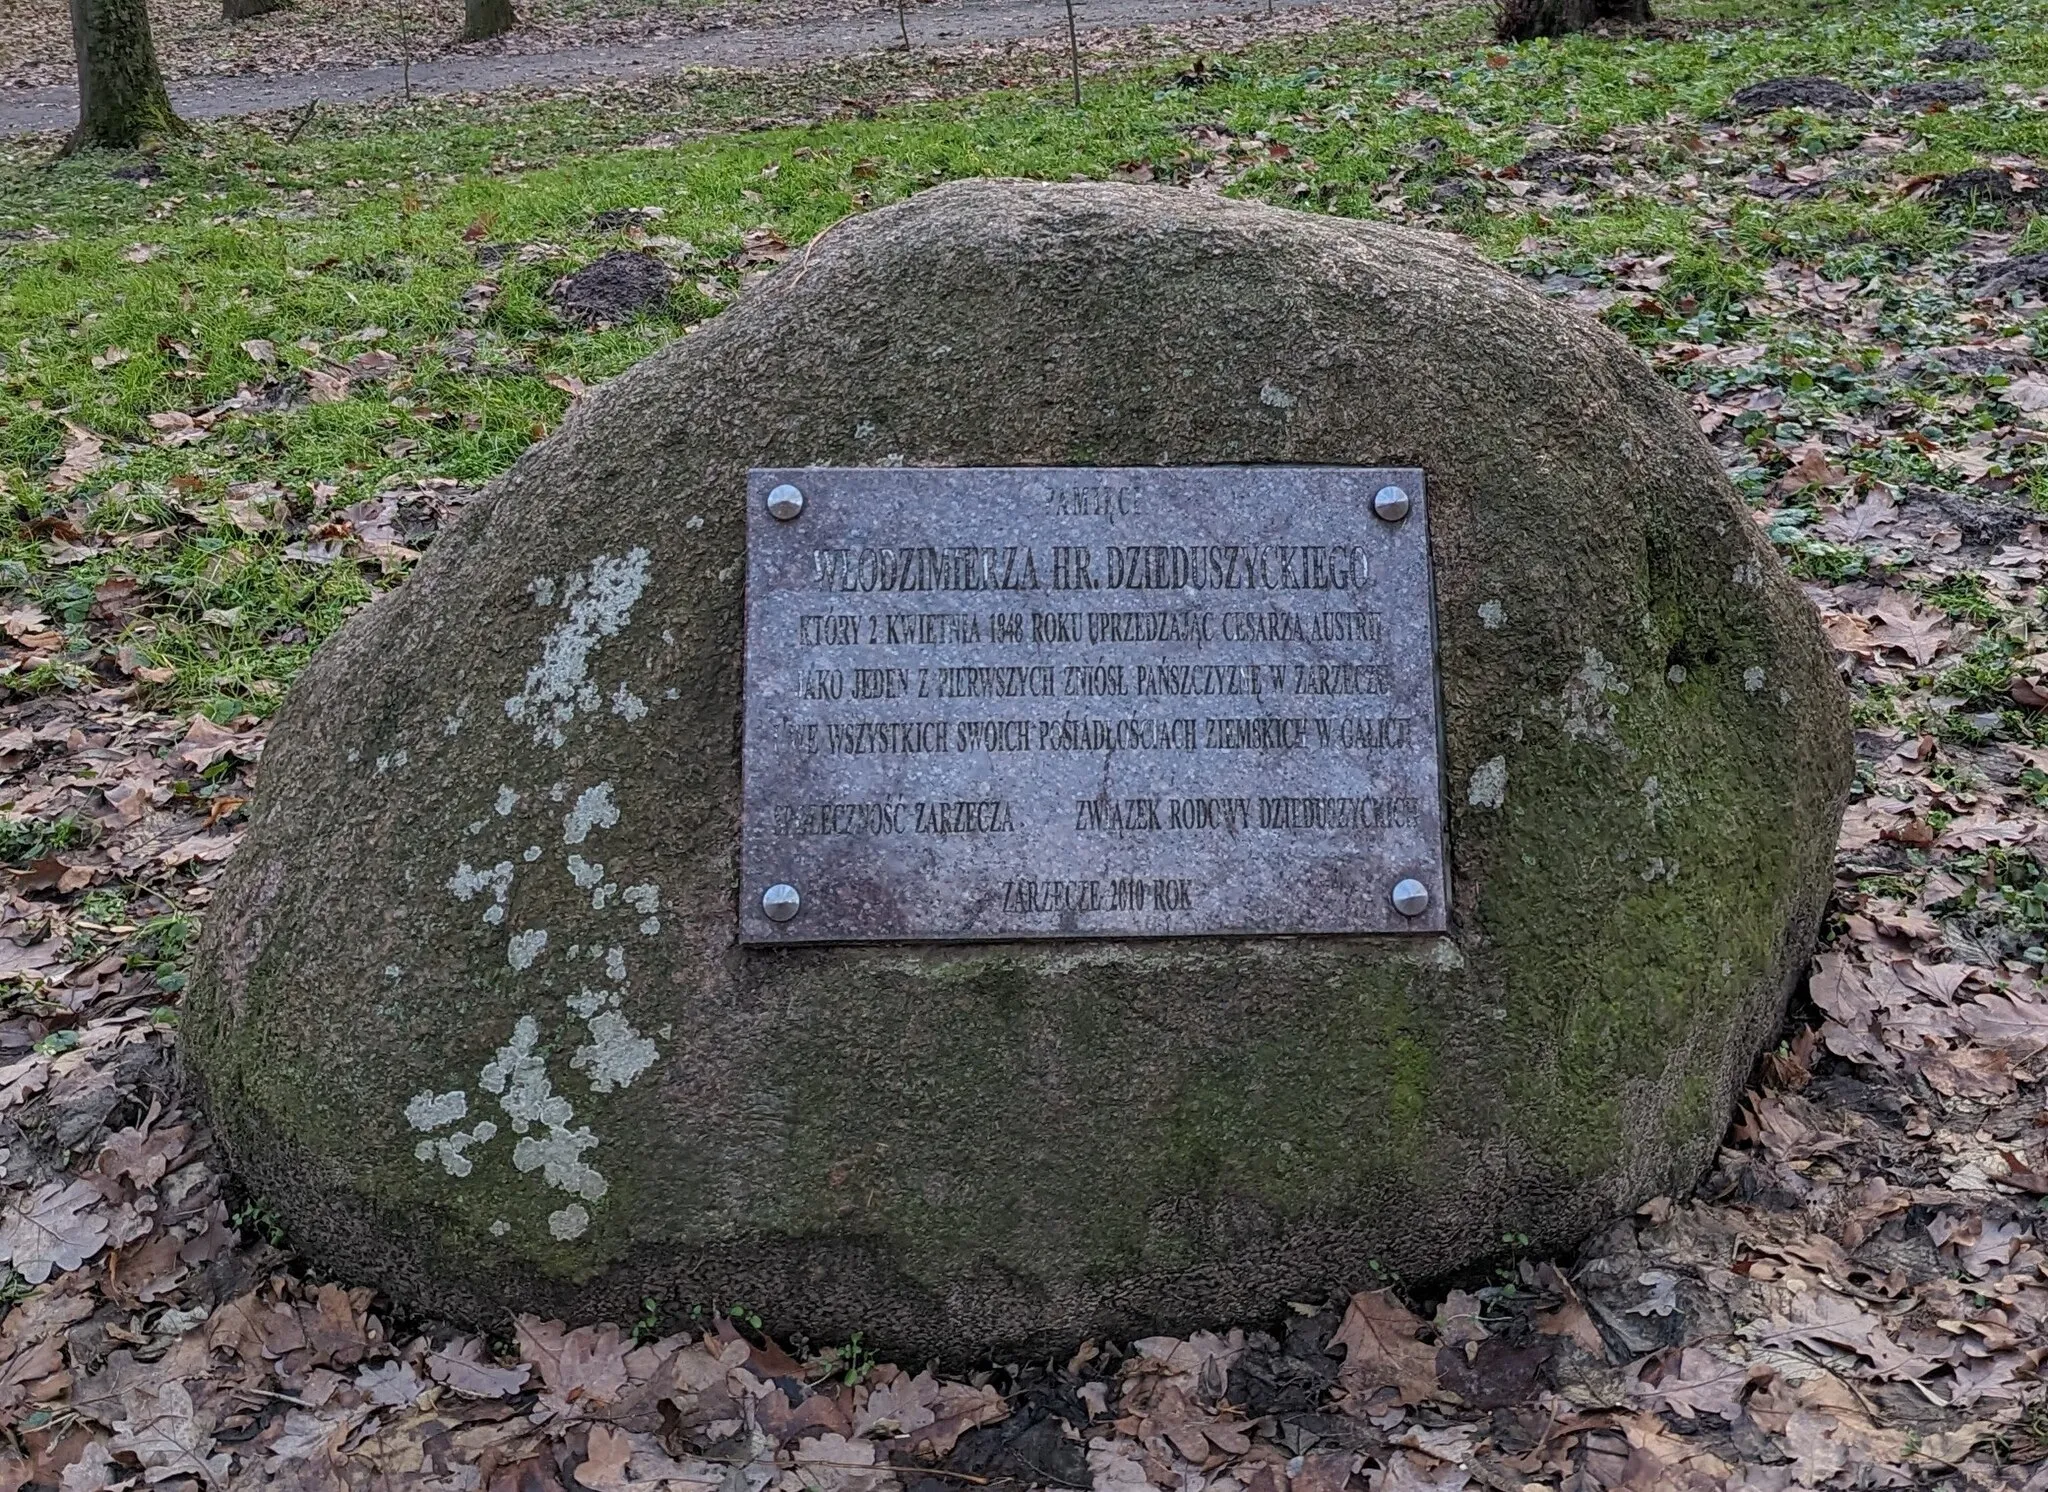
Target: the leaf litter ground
(245, 385)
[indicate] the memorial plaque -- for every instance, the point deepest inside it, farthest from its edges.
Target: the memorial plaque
(1089, 702)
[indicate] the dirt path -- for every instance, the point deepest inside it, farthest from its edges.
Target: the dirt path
(952, 23)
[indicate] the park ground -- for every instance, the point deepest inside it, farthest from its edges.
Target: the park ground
(246, 376)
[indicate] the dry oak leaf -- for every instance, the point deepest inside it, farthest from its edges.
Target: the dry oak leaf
(83, 452)
(832, 1463)
(1197, 1364)
(604, 1467)
(2002, 1020)
(1967, 1072)
(1571, 1319)
(171, 1440)
(58, 1226)
(205, 847)
(1381, 1350)
(252, 506)
(627, 1461)
(138, 1156)
(959, 1409)
(30, 1365)
(1854, 525)
(1810, 469)
(1695, 1381)
(391, 1384)
(1870, 819)
(1407, 1472)
(44, 1313)
(2028, 393)
(896, 1408)
(583, 1369)
(462, 1366)
(327, 388)
(1913, 630)
(1117, 1465)
(1457, 1320)
(1848, 634)
(93, 1471)
(206, 743)
(308, 1437)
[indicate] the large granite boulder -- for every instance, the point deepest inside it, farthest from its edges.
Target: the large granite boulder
(471, 1013)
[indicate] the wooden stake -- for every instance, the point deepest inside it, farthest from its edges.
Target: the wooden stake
(405, 48)
(1074, 52)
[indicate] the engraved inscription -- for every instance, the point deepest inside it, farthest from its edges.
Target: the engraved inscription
(993, 703)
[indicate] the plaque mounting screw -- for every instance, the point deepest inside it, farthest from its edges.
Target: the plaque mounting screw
(786, 501)
(1410, 897)
(1390, 503)
(780, 902)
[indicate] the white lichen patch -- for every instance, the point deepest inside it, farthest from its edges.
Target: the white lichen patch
(1274, 397)
(393, 762)
(1749, 573)
(598, 604)
(615, 1054)
(1675, 673)
(558, 1156)
(1601, 676)
(452, 1150)
(593, 809)
(1493, 616)
(432, 1110)
(507, 801)
(646, 900)
(525, 947)
(519, 1074)
(1584, 709)
(627, 705)
(1752, 679)
(1489, 785)
(583, 873)
(570, 1222)
(532, 854)
(469, 882)
(499, 1227)
(615, 965)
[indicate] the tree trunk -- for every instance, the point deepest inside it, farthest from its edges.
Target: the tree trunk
(248, 10)
(1525, 20)
(486, 18)
(121, 94)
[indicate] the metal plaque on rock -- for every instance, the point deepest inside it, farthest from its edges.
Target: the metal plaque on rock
(1089, 702)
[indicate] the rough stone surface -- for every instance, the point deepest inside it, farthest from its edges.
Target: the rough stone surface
(470, 1013)
(1825, 94)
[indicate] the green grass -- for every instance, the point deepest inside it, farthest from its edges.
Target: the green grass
(372, 220)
